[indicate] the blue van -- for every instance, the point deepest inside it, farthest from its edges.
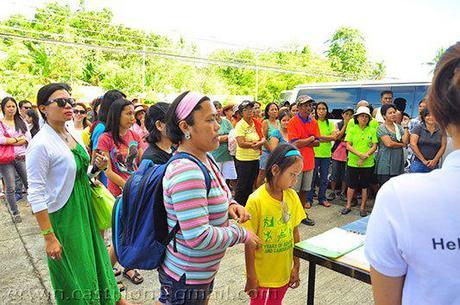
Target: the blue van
(341, 95)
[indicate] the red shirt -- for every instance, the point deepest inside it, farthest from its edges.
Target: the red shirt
(299, 129)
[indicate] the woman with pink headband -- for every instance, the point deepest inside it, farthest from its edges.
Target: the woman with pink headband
(188, 270)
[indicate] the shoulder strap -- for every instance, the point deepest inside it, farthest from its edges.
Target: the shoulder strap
(207, 179)
(204, 169)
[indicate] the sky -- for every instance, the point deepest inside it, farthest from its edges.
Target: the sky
(403, 34)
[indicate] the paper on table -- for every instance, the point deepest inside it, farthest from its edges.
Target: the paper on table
(333, 243)
(356, 258)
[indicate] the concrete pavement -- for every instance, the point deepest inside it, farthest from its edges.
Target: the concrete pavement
(25, 280)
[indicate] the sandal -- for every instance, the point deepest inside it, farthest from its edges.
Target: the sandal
(136, 279)
(121, 287)
(345, 211)
(362, 213)
(116, 272)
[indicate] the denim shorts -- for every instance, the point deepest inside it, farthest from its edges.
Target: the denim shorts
(179, 293)
(263, 159)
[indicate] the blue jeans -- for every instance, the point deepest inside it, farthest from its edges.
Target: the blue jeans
(179, 293)
(418, 167)
(321, 167)
(8, 172)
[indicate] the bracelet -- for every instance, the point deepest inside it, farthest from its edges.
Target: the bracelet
(47, 231)
(15, 140)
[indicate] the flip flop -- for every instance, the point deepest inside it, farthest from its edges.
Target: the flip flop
(121, 287)
(116, 272)
(136, 279)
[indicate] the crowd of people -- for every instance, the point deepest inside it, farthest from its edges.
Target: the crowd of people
(267, 166)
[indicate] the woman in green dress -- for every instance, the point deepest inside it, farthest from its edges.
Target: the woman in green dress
(60, 197)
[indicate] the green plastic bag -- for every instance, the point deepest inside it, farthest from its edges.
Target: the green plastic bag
(103, 202)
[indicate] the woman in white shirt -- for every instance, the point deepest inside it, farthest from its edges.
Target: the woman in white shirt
(413, 236)
(59, 194)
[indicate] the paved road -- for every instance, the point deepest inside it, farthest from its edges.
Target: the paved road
(25, 280)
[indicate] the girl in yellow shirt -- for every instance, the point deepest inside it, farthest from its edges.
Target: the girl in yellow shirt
(276, 211)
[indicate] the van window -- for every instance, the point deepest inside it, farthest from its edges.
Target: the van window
(336, 98)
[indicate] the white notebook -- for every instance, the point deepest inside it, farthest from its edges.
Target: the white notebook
(333, 243)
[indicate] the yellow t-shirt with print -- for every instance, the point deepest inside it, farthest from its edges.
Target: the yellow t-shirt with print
(242, 129)
(274, 259)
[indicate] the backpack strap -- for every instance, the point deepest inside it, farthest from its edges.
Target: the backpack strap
(207, 180)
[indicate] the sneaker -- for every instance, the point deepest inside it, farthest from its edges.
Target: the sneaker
(17, 218)
(325, 204)
(307, 205)
(345, 211)
(309, 222)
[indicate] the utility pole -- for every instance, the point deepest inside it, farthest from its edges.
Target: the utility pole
(143, 69)
(257, 76)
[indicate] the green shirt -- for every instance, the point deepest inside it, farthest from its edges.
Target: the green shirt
(221, 154)
(324, 149)
(373, 123)
(361, 140)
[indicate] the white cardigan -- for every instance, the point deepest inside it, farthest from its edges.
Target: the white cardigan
(51, 171)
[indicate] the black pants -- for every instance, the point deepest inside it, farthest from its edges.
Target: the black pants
(247, 172)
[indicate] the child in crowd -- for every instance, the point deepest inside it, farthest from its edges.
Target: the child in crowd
(339, 158)
(276, 212)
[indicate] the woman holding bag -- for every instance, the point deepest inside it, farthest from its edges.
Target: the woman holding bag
(14, 137)
(60, 196)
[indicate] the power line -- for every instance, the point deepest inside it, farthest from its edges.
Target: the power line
(48, 9)
(56, 13)
(138, 46)
(185, 58)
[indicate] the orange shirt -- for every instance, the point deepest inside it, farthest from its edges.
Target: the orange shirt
(299, 129)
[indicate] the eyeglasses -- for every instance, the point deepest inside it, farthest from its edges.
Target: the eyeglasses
(61, 102)
(76, 111)
(286, 215)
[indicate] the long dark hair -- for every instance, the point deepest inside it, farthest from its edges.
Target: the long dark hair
(35, 121)
(19, 123)
(113, 120)
(107, 100)
(327, 111)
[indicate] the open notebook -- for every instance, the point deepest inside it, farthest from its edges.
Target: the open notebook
(333, 243)
(337, 242)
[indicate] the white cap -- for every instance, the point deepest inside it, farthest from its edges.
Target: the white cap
(363, 109)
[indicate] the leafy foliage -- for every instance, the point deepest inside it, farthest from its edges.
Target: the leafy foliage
(145, 64)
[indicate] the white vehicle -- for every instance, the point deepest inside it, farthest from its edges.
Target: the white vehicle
(341, 95)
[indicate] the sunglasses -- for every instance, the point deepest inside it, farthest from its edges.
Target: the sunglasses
(79, 111)
(61, 102)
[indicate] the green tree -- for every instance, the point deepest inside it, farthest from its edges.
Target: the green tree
(348, 55)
